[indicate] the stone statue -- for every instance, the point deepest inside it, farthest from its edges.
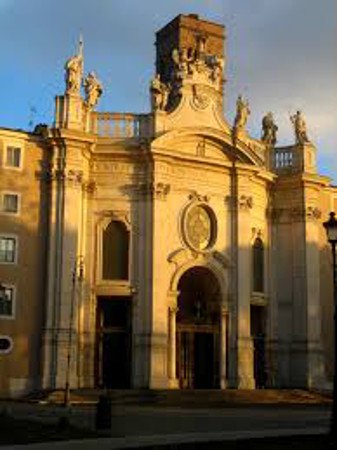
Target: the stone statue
(195, 64)
(159, 94)
(182, 63)
(74, 74)
(300, 128)
(200, 52)
(93, 90)
(217, 65)
(242, 113)
(269, 129)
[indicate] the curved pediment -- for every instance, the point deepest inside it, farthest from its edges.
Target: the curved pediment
(206, 142)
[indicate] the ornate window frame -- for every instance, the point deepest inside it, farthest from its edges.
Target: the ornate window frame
(105, 218)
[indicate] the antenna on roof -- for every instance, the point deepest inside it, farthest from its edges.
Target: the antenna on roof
(32, 116)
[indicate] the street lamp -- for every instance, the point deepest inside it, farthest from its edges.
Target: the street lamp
(331, 231)
(77, 275)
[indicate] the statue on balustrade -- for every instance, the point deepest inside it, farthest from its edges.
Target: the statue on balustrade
(242, 114)
(93, 90)
(269, 129)
(159, 94)
(74, 72)
(300, 128)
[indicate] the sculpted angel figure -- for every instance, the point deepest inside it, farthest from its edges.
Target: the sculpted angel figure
(218, 65)
(182, 63)
(74, 73)
(93, 89)
(242, 113)
(269, 129)
(159, 94)
(300, 128)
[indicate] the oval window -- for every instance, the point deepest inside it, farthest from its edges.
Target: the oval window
(6, 344)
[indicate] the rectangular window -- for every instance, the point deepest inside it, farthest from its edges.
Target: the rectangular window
(10, 203)
(7, 249)
(13, 157)
(6, 301)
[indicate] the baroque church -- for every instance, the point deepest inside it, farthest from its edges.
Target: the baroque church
(164, 250)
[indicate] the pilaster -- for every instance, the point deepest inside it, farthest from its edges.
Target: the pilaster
(244, 341)
(66, 259)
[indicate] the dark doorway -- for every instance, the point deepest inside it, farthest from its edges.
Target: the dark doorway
(204, 375)
(113, 342)
(257, 324)
(198, 326)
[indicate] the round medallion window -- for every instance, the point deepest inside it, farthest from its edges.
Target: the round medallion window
(199, 227)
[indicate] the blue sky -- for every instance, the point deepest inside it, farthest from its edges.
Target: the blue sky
(281, 55)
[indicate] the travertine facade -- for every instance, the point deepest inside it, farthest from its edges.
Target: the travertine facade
(164, 250)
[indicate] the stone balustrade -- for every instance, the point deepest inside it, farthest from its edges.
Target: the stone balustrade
(121, 125)
(283, 158)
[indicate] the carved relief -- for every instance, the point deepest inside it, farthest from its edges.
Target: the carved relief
(201, 148)
(313, 212)
(106, 215)
(245, 202)
(198, 227)
(200, 100)
(194, 196)
(108, 166)
(89, 187)
(158, 190)
(296, 213)
(197, 65)
(74, 176)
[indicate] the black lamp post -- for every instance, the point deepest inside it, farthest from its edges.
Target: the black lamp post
(331, 231)
(77, 275)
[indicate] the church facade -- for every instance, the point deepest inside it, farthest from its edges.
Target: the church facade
(167, 250)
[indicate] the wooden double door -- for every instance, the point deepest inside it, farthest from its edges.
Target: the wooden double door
(198, 357)
(113, 343)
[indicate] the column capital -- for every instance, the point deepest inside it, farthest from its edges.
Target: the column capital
(173, 309)
(172, 297)
(224, 310)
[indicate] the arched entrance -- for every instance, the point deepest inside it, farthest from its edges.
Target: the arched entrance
(198, 330)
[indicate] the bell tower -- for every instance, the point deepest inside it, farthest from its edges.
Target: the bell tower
(190, 34)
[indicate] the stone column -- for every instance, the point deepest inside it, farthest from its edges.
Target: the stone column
(172, 349)
(223, 347)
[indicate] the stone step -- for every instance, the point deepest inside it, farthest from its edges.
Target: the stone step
(188, 397)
